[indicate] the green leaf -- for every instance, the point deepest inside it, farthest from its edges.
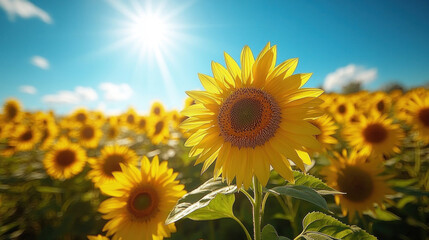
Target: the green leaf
(270, 233)
(219, 207)
(314, 183)
(383, 215)
(301, 192)
(200, 198)
(411, 191)
(319, 226)
(46, 189)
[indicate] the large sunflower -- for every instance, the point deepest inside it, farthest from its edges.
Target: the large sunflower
(11, 110)
(376, 134)
(64, 160)
(358, 177)
(253, 117)
(104, 166)
(141, 201)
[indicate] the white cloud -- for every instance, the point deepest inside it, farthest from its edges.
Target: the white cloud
(28, 89)
(347, 74)
(79, 95)
(116, 92)
(24, 9)
(40, 62)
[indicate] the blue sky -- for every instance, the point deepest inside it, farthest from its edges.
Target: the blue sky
(82, 59)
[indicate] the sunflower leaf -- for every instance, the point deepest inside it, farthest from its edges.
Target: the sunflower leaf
(301, 192)
(191, 204)
(314, 183)
(319, 226)
(270, 233)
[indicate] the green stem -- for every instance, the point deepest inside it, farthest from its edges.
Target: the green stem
(243, 227)
(257, 189)
(418, 160)
(248, 196)
(264, 201)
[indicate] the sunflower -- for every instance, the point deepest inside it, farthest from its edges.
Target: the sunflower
(342, 109)
(49, 134)
(158, 130)
(253, 117)
(64, 160)
(80, 116)
(25, 138)
(104, 166)
(12, 110)
(157, 109)
(129, 118)
(417, 114)
(358, 177)
(379, 103)
(141, 201)
(141, 126)
(376, 134)
(89, 135)
(7, 150)
(112, 131)
(327, 128)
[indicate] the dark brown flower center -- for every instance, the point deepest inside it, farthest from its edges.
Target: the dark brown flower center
(356, 183)
(130, 119)
(342, 109)
(65, 158)
(157, 110)
(11, 111)
(81, 117)
(87, 132)
(112, 132)
(380, 106)
(249, 117)
(424, 116)
(142, 123)
(143, 203)
(375, 133)
(26, 136)
(111, 164)
(158, 127)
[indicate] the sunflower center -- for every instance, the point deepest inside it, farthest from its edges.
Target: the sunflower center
(130, 119)
(65, 158)
(342, 109)
(375, 133)
(143, 203)
(11, 111)
(87, 132)
(111, 164)
(249, 117)
(112, 132)
(81, 117)
(380, 106)
(158, 127)
(142, 123)
(26, 136)
(356, 183)
(424, 116)
(157, 110)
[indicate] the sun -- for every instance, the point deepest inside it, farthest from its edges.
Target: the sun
(150, 30)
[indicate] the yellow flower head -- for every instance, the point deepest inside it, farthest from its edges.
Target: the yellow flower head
(359, 178)
(129, 118)
(141, 201)
(417, 114)
(327, 129)
(252, 117)
(158, 130)
(64, 160)
(157, 109)
(24, 138)
(88, 135)
(376, 134)
(12, 110)
(104, 166)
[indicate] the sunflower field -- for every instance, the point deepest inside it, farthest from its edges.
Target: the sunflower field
(255, 155)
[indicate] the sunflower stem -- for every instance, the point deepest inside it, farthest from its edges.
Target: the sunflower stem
(243, 227)
(417, 159)
(248, 197)
(257, 189)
